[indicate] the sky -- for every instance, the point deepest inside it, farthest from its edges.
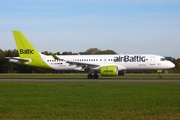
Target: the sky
(125, 26)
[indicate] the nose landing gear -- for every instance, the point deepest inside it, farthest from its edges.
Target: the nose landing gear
(159, 72)
(159, 76)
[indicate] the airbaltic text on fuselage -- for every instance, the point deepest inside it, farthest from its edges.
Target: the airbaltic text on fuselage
(128, 58)
(26, 51)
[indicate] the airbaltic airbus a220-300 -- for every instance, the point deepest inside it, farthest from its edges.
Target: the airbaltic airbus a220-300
(106, 65)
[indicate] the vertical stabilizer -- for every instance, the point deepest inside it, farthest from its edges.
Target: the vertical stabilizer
(27, 52)
(25, 48)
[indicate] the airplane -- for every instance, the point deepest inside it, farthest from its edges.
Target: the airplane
(106, 65)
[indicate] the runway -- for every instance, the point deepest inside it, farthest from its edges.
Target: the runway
(94, 80)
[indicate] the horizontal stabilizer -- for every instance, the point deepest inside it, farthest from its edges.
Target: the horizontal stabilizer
(19, 59)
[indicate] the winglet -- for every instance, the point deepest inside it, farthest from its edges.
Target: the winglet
(54, 56)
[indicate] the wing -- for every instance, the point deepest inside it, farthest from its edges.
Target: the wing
(83, 65)
(79, 64)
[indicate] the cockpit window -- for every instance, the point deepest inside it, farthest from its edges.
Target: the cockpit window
(163, 59)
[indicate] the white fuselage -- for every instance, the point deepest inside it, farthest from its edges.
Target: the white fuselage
(122, 61)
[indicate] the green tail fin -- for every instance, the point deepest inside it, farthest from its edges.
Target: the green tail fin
(25, 48)
(28, 52)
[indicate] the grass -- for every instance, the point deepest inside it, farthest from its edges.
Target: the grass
(81, 76)
(32, 100)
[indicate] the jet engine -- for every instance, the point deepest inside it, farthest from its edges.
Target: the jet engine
(109, 70)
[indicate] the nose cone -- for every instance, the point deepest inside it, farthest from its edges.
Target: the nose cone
(171, 65)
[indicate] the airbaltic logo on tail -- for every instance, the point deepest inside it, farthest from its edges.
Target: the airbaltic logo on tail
(26, 51)
(127, 58)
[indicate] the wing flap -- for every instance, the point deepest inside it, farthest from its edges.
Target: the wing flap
(80, 63)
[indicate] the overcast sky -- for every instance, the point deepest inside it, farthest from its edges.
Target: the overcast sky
(125, 26)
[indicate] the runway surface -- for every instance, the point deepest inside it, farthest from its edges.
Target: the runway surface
(90, 80)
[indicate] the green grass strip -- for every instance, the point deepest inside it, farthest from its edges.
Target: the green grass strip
(21, 100)
(82, 76)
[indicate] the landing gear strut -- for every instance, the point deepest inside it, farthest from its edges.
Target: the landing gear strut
(93, 76)
(159, 76)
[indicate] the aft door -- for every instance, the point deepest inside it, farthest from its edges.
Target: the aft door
(152, 61)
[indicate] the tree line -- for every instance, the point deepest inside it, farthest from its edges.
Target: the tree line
(7, 67)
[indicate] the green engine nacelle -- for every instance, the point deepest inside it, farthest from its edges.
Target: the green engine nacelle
(109, 71)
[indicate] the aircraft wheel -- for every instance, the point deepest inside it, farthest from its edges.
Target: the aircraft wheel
(89, 76)
(159, 77)
(96, 76)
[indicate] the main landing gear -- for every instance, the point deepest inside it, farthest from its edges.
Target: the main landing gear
(93, 76)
